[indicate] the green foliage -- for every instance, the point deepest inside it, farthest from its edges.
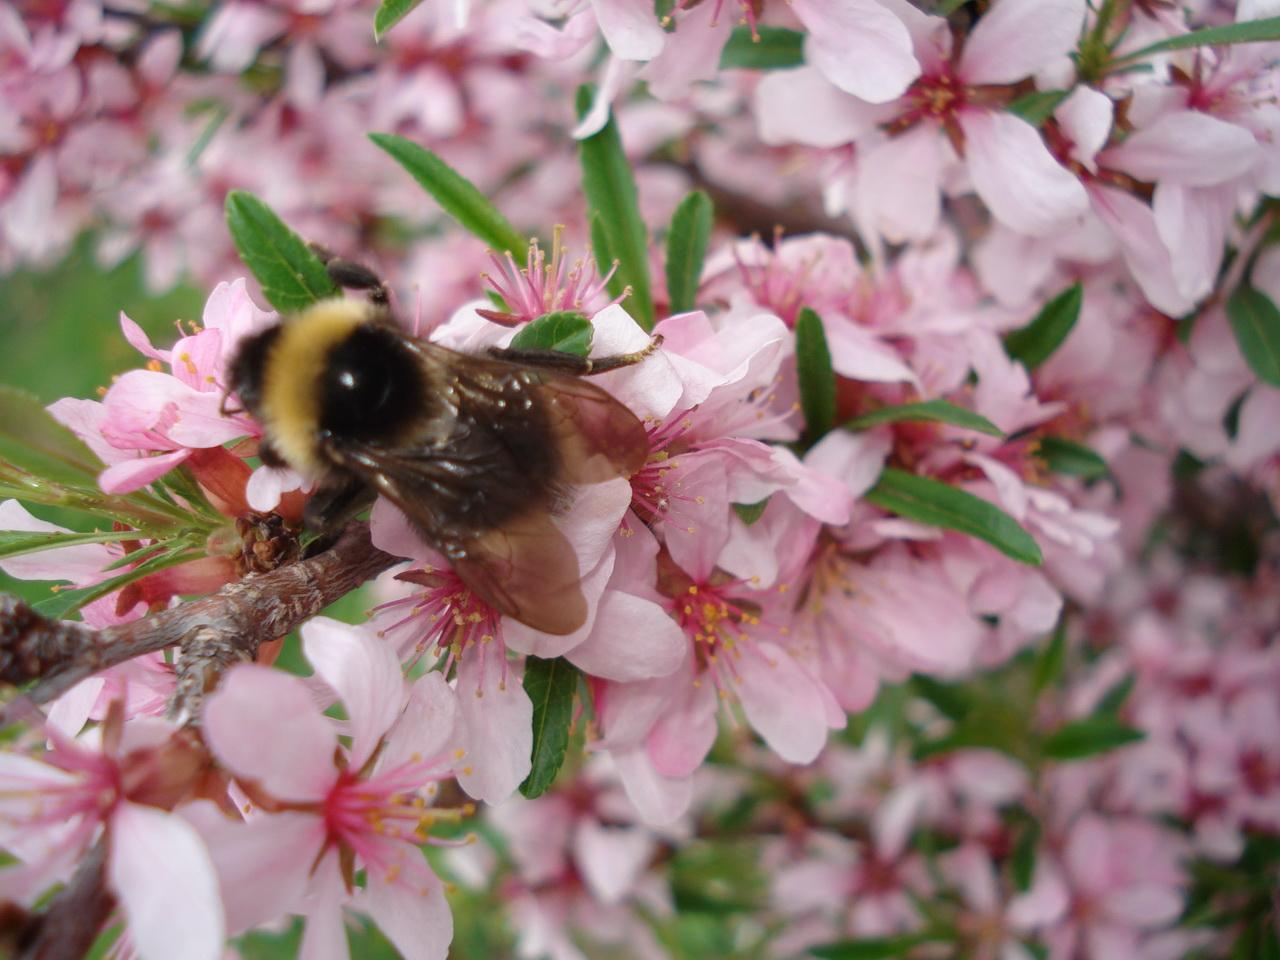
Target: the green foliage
(1247, 31)
(816, 376)
(564, 332)
(610, 189)
(1038, 106)
(941, 505)
(686, 248)
(292, 277)
(389, 13)
(1035, 343)
(1256, 324)
(936, 411)
(749, 513)
(1071, 459)
(1089, 737)
(551, 685)
(457, 195)
(776, 49)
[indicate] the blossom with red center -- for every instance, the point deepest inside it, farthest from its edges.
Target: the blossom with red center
(334, 810)
(115, 785)
(539, 287)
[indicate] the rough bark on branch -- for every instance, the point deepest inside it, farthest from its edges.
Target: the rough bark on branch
(213, 630)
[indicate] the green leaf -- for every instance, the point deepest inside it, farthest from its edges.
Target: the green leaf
(1071, 459)
(292, 277)
(686, 248)
(952, 700)
(610, 190)
(1256, 323)
(938, 504)
(872, 948)
(1035, 343)
(1023, 860)
(32, 441)
(456, 195)
(550, 685)
(1049, 663)
(566, 331)
(817, 378)
(14, 543)
(777, 48)
(1248, 31)
(1089, 737)
(749, 513)
(1038, 106)
(1114, 699)
(65, 602)
(604, 256)
(391, 12)
(937, 411)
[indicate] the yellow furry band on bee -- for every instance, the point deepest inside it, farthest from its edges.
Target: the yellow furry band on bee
(294, 375)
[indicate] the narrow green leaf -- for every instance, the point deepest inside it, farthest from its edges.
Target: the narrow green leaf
(610, 190)
(66, 602)
(550, 685)
(686, 248)
(391, 12)
(1248, 31)
(1256, 323)
(1049, 663)
(952, 700)
(292, 277)
(566, 331)
(34, 442)
(1023, 860)
(604, 255)
(777, 49)
(456, 195)
(1114, 699)
(1037, 107)
(14, 543)
(1035, 343)
(872, 948)
(937, 411)
(1071, 459)
(749, 513)
(930, 501)
(1089, 737)
(817, 378)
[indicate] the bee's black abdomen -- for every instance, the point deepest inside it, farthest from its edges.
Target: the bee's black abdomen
(371, 388)
(249, 367)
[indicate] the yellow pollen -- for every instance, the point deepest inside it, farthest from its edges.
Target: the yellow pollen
(459, 754)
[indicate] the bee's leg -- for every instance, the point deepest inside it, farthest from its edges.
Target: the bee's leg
(352, 276)
(329, 508)
(572, 363)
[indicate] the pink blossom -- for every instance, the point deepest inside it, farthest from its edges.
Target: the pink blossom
(331, 807)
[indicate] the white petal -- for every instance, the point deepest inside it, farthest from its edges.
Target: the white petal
(164, 879)
(418, 922)
(859, 46)
(1015, 38)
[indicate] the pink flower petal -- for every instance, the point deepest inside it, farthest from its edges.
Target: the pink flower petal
(1144, 905)
(1186, 147)
(611, 859)
(683, 735)
(1045, 902)
(803, 106)
(164, 879)
(632, 639)
(129, 475)
(497, 726)
(631, 28)
(658, 799)
(428, 726)
(781, 703)
(417, 921)
(325, 935)
(859, 46)
(896, 190)
(856, 458)
(82, 564)
(1016, 38)
(1147, 258)
(1016, 176)
(691, 53)
(296, 761)
(1085, 117)
(365, 673)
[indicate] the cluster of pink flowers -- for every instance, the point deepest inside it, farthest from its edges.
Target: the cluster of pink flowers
(1034, 717)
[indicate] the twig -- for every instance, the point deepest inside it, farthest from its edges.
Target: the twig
(69, 925)
(213, 630)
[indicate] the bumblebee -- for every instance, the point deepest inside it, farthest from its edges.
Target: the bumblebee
(479, 452)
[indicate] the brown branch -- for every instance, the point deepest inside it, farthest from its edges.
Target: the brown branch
(213, 631)
(69, 925)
